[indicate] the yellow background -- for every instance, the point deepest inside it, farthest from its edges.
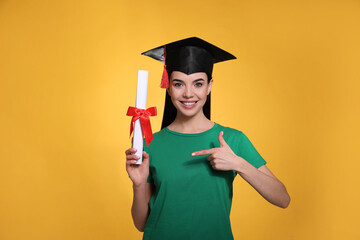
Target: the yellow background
(68, 72)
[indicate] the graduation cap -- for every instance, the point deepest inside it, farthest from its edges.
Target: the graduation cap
(189, 55)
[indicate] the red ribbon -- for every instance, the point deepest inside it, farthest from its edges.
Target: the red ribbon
(144, 115)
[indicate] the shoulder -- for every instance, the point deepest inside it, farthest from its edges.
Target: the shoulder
(230, 132)
(233, 137)
(158, 138)
(159, 134)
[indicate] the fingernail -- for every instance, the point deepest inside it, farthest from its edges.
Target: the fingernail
(193, 154)
(222, 132)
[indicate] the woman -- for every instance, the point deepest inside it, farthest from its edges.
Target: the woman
(183, 188)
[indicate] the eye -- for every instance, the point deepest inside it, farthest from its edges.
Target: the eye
(199, 84)
(177, 84)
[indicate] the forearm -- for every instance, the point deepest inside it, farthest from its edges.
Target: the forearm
(268, 187)
(140, 207)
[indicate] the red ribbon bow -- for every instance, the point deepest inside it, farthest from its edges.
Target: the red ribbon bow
(143, 114)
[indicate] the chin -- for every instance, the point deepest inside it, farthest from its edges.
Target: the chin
(188, 115)
(188, 112)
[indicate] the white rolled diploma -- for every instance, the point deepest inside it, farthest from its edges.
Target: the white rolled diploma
(141, 92)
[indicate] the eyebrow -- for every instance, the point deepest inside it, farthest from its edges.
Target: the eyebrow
(197, 80)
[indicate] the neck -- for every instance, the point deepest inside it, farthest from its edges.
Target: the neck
(194, 124)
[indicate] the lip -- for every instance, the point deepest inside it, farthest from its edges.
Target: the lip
(188, 106)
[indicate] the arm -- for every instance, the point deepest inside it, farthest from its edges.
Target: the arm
(141, 188)
(223, 158)
(264, 183)
(140, 208)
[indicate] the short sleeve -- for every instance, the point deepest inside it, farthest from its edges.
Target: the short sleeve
(149, 179)
(247, 151)
(146, 149)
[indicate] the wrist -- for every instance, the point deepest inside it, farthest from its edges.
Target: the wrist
(139, 185)
(239, 168)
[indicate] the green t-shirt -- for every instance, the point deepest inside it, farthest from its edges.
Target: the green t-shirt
(191, 200)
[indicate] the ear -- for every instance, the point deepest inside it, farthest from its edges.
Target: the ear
(209, 87)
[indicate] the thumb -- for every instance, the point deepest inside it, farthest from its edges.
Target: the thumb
(145, 157)
(222, 140)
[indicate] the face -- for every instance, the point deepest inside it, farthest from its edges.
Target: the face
(189, 92)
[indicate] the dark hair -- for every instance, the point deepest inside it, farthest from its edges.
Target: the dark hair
(170, 111)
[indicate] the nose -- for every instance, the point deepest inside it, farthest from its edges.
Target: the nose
(188, 93)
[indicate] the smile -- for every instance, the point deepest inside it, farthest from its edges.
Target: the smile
(188, 104)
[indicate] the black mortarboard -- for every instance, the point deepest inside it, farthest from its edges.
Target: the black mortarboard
(189, 55)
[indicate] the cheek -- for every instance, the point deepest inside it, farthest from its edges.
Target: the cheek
(202, 92)
(173, 93)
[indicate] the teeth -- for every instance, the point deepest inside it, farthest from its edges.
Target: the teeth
(188, 103)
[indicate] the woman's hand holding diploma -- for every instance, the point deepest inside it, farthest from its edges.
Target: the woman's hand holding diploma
(221, 158)
(138, 173)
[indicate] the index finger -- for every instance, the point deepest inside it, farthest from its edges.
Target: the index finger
(130, 150)
(204, 152)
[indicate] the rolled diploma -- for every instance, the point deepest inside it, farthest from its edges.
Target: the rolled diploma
(141, 92)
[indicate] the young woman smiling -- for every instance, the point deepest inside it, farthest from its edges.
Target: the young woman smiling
(183, 188)
(188, 94)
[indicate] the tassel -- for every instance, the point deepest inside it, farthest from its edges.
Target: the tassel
(165, 77)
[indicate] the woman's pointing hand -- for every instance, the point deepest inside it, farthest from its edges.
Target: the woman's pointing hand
(221, 158)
